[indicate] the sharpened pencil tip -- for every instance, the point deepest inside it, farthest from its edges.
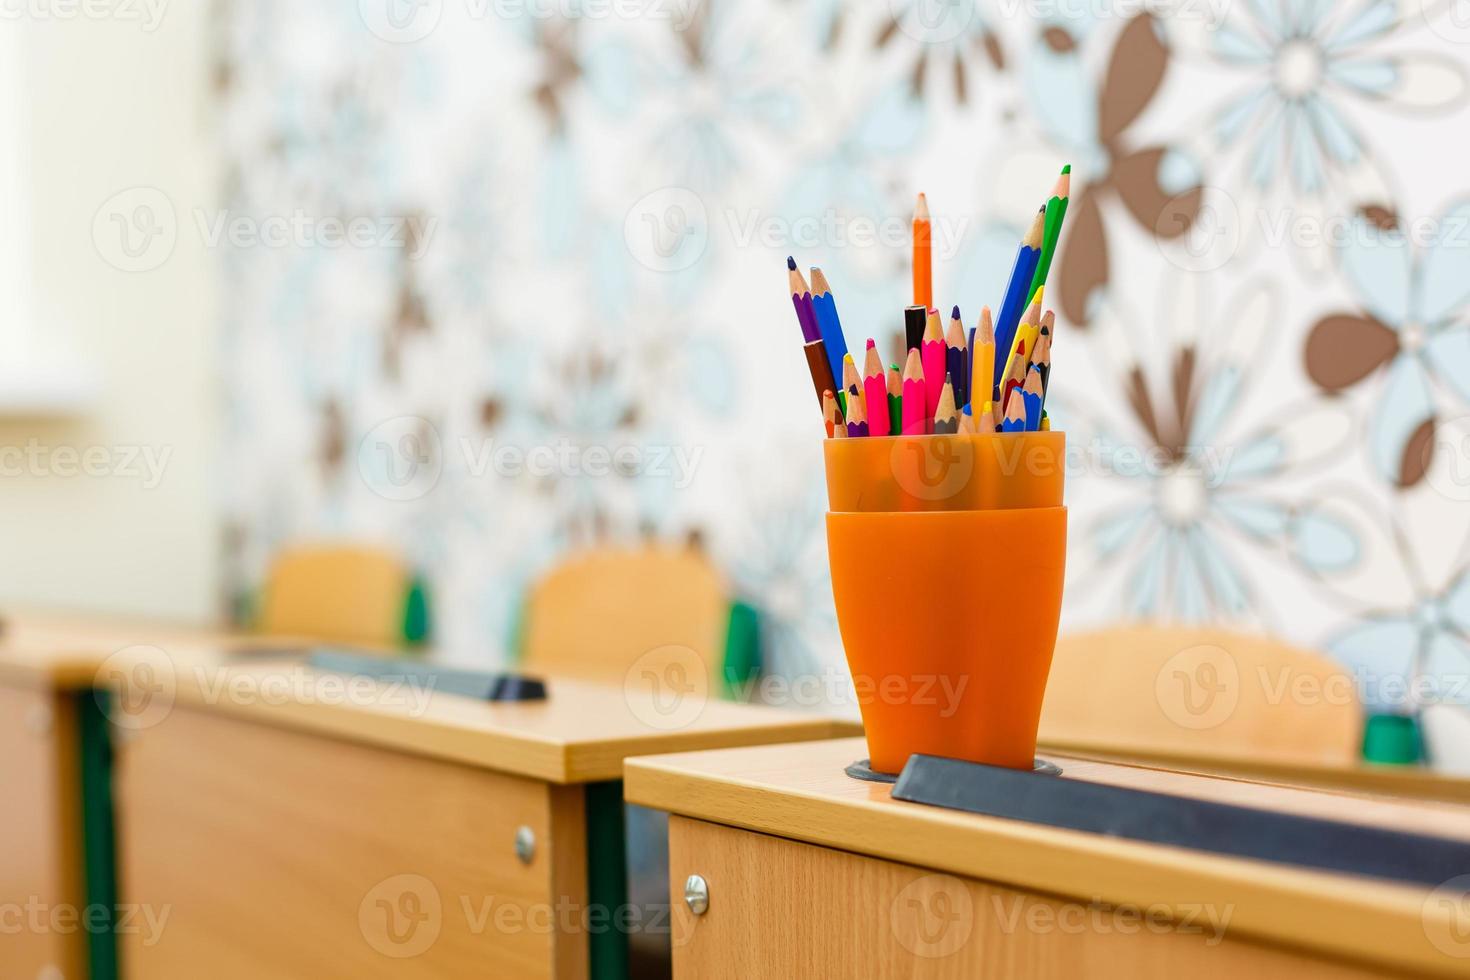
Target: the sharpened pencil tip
(955, 313)
(1067, 169)
(871, 345)
(790, 263)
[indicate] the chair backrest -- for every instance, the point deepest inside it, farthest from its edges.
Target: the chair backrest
(349, 594)
(1202, 694)
(601, 613)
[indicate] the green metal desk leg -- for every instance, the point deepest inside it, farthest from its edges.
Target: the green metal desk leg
(607, 880)
(98, 843)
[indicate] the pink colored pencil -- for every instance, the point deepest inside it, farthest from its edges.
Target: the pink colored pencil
(875, 391)
(916, 420)
(934, 363)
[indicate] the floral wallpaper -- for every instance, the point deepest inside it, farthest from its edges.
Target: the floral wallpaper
(565, 321)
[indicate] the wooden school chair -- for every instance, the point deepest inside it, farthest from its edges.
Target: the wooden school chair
(658, 610)
(1203, 695)
(349, 594)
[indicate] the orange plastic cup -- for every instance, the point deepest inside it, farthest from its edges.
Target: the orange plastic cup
(948, 556)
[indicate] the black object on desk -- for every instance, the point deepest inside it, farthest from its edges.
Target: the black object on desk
(1177, 821)
(479, 684)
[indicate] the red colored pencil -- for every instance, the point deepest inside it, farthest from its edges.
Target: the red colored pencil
(1013, 377)
(934, 363)
(875, 391)
(915, 417)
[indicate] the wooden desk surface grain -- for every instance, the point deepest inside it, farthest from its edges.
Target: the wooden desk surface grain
(800, 792)
(581, 733)
(68, 651)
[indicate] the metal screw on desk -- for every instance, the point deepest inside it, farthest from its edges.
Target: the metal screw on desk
(696, 894)
(525, 843)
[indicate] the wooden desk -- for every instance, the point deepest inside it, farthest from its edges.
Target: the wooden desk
(56, 830)
(293, 831)
(839, 879)
(55, 811)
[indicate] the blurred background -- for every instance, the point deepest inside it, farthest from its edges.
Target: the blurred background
(490, 282)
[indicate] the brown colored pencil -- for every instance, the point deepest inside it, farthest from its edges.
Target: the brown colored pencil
(820, 369)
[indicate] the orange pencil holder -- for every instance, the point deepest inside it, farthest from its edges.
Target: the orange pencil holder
(948, 556)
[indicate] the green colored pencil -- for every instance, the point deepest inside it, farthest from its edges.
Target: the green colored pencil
(895, 400)
(1056, 213)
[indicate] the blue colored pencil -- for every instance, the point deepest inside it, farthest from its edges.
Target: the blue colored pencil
(1015, 420)
(825, 306)
(957, 358)
(1031, 396)
(1018, 289)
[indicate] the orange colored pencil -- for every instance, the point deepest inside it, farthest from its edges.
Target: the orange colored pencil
(923, 255)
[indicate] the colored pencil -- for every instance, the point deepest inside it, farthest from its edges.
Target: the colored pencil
(1056, 213)
(835, 418)
(819, 368)
(857, 416)
(801, 298)
(895, 400)
(824, 306)
(1043, 349)
(1022, 343)
(992, 378)
(915, 419)
(850, 380)
(914, 320)
(957, 357)
(982, 346)
(875, 392)
(1015, 419)
(1015, 368)
(946, 420)
(1031, 400)
(923, 255)
(850, 376)
(934, 362)
(1017, 290)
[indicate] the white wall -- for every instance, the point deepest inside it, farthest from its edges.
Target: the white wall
(114, 105)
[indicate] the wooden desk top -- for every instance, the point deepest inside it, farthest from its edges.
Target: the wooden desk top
(800, 792)
(66, 651)
(582, 733)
